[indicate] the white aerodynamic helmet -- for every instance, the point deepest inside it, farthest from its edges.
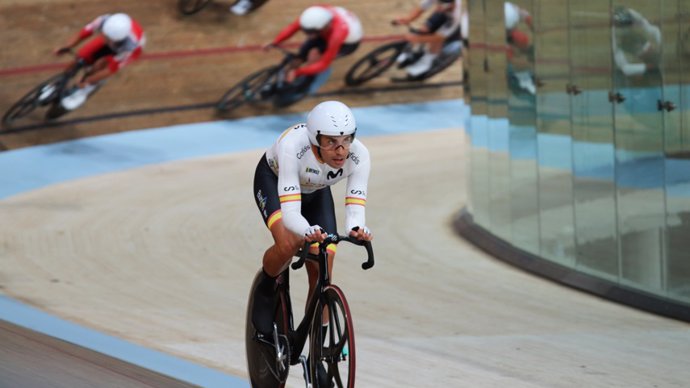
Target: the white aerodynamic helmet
(117, 26)
(315, 18)
(330, 118)
(512, 15)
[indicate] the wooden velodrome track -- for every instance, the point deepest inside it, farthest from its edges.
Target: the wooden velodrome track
(163, 255)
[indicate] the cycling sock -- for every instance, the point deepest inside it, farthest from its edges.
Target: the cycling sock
(264, 304)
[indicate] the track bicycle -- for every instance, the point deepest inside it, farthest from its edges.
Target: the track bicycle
(382, 58)
(267, 85)
(190, 7)
(331, 355)
(49, 93)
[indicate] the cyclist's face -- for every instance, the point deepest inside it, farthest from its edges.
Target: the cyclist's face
(311, 34)
(114, 44)
(334, 149)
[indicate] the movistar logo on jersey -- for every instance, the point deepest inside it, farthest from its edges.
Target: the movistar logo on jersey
(333, 175)
(314, 171)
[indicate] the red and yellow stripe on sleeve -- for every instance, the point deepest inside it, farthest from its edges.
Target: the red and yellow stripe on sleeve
(355, 201)
(290, 198)
(278, 214)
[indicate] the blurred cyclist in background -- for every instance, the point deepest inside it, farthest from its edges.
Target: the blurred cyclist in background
(332, 32)
(636, 43)
(119, 41)
(442, 25)
(520, 50)
(514, 15)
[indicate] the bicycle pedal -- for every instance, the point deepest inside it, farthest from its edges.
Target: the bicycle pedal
(45, 94)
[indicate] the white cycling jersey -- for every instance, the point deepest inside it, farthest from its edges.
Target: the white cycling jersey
(299, 170)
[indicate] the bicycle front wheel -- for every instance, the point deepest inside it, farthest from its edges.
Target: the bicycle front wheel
(248, 90)
(189, 7)
(332, 346)
(43, 94)
(374, 63)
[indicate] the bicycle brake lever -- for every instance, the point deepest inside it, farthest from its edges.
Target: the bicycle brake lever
(302, 256)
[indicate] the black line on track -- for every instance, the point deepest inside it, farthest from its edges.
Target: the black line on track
(211, 105)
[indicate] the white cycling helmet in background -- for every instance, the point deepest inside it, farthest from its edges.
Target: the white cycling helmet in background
(117, 26)
(315, 18)
(330, 118)
(512, 15)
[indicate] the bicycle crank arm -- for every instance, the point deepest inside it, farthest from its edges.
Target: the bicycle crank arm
(280, 355)
(305, 369)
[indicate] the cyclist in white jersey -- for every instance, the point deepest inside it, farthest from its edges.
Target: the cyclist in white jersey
(292, 191)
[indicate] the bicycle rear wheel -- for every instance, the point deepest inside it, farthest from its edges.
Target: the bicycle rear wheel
(374, 63)
(247, 90)
(43, 94)
(189, 7)
(332, 347)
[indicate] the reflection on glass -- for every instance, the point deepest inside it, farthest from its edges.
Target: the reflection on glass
(499, 162)
(522, 136)
(637, 77)
(520, 49)
(592, 131)
(479, 137)
(676, 69)
(554, 141)
(592, 166)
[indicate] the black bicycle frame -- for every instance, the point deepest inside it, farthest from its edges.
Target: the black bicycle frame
(299, 335)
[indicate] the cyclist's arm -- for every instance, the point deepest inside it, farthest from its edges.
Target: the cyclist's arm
(290, 195)
(416, 12)
(621, 59)
(287, 32)
(84, 33)
(356, 194)
(335, 42)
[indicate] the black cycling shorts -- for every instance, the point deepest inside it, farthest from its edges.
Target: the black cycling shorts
(436, 21)
(317, 207)
(321, 44)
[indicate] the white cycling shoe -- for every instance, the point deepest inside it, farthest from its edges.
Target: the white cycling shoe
(77, 97)
(241, 7)
(422, 65)
(526, 82)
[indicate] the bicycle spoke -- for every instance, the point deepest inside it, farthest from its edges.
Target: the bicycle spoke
(247, 90)
(374, 63)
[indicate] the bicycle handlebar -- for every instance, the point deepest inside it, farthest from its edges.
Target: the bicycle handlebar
(335, 239)
(283, 50)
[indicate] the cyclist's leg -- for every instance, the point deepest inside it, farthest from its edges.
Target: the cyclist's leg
(318, 209)
(434, 41)
(94, 53)
(321, 78)
(278, 256)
